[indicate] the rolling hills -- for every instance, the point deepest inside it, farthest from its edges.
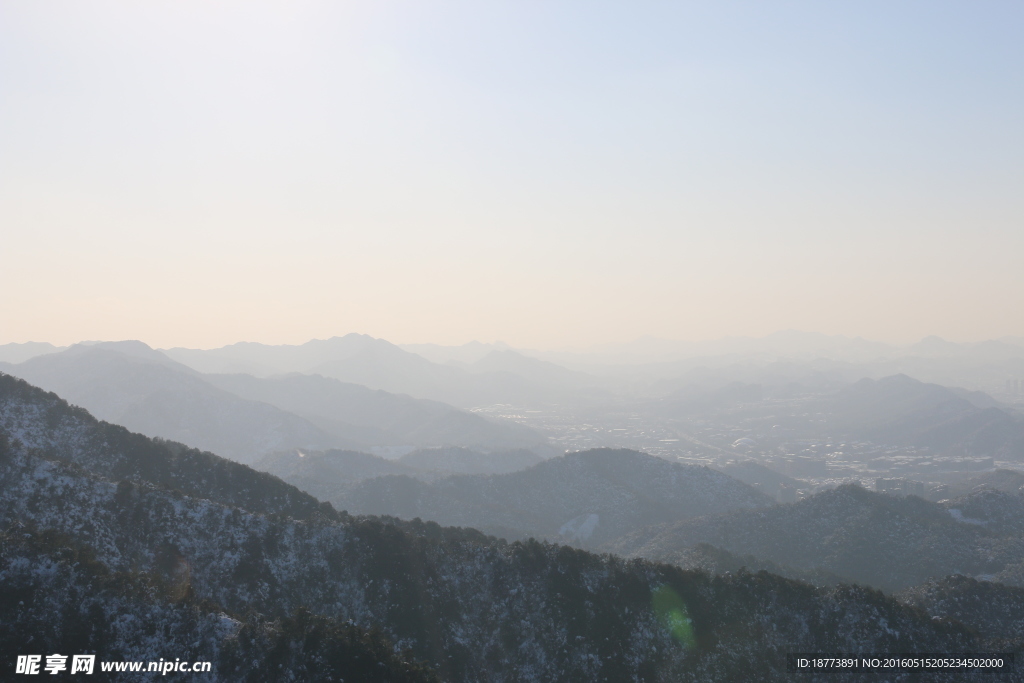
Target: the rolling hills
(244, 417)
(586, 498)
(905, 412)
(214, 535)
(501, 376)
(871, 538)
(385, 418)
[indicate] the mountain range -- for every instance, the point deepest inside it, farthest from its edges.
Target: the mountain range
(329, 475)
(583, 498)
(879, 540)
(244, 417)
(902, 411)
(374, 416)
(894, 411)
(476, 374)
(243, 569)
(765, 480)
(500, 376)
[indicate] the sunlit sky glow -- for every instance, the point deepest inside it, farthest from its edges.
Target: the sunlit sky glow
(546, 173)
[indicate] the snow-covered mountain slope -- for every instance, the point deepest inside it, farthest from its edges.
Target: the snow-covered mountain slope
(475, 608)
(59, 599)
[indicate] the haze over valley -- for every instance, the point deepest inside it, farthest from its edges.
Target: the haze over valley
(511, 342)
(792, 455)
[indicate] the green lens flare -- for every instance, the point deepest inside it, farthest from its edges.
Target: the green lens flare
(671, 612)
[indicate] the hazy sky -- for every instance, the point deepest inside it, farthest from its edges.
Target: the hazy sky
(545, 173)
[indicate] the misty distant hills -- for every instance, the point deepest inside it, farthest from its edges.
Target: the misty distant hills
(896, 410)
(764, 479)
(870, 403)
(207, 558)
(502, 376)
(962, 370)
(18, 353)
(384, 418)
(816, 362)
(746, 381)
(785, 344)
(886, 542)
(903, 411)
(1008, 481)
(328, 475)
(428, 464)
(663, 364)
(354, 358)
(464, 354)
(264, 360)
(245, 417)
(694, 399)
(336, 467)
(708, 558)
(990, 350)
(586, 498)
(158, 397)
(455, 460)
(541, 372)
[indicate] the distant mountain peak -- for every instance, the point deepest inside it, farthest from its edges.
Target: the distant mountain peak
(130, 347)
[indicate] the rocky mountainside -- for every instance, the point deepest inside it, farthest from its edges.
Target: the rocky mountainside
(583, 498)
(886, 542)
(212, 535)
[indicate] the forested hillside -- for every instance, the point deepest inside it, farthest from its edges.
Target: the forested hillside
(472, 607)
(882, 541)
(583, 498)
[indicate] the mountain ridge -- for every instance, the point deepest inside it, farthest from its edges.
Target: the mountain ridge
(246, 417)
(615, 489)
(882, 541)
(476, 608)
